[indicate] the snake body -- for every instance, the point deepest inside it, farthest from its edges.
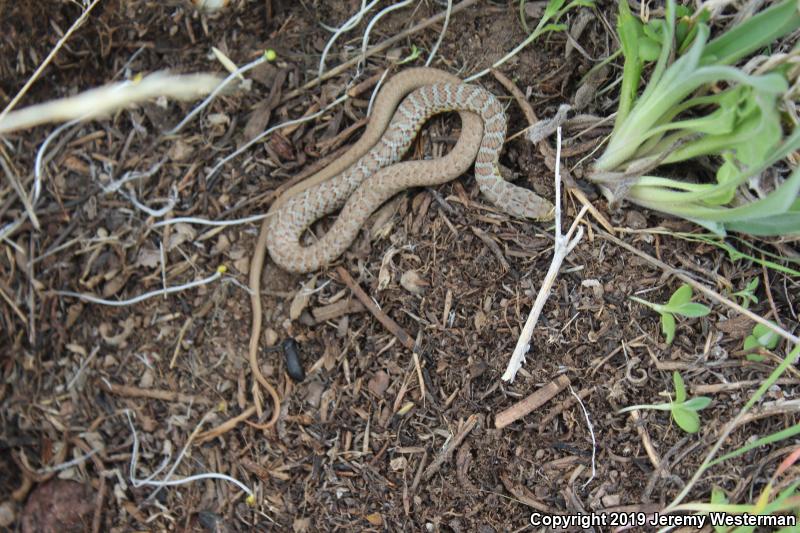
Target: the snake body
(369, 173)
(366, 174)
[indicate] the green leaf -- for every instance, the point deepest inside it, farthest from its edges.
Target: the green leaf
(751, 343)
(552, 27)
(787, 433)
(766, 336)
(415, 53)
(680, 296)
(786, 223)
(754, 33)
(696, 404)
(747, 295)
(752, 285)
(689, 421)
(628, 29)
(691, 310)
(668, 326)
(761, 336)
(680, 387)
(648, 50)
(718, 496)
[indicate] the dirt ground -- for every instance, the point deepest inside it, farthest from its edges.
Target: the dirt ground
(377, 436)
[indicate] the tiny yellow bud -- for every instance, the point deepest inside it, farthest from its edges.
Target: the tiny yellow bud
(270, 54)
(251, 500)
(222, 269)
(137, 77)
(406, 408)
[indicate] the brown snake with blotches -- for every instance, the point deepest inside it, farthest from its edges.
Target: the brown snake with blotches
(369, 173)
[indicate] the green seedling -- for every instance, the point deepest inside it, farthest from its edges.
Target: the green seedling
(697, 104)
(415, 53)
(748, 294)
(736, 255)
(761, 337)
(684, 411)
(679, 304)
(783, 503)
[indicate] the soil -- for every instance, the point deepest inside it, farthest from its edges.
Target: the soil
(377, 436)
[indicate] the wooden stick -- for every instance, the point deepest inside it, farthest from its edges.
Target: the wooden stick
(455, 442)
(382, 317)
(533, 401)
(153, 394)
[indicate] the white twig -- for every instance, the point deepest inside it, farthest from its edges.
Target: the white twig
(145, 296)
(349, 25)
(375, 19)
(75, 25)
(591, 432)
(102, 100)
(441, 34)
(163, 261)
(116, 186)
(206, 222)
(167, 482)
(210, 98)
(37, 167)
(562, 247)
(69, 464)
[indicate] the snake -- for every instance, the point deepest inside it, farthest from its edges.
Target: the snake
(370, 172)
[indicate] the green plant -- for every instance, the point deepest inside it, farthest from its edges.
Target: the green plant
(761, 336)
(683, 411)
(735, 118)
(736, 255)
(553, 12)
(769, 502)
(709, 461)
(748, 294)
(679, 304)
(415, 53)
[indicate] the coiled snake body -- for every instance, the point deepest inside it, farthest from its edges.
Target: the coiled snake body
(372, 173)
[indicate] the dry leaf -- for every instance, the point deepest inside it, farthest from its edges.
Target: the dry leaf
(301, 298)
(301, 525)
(398, 464)
(385, 274)
(113, 286)
(76, 165)
(375, 519)
(413, 283)
(181, 233)
(379, 383)
(479, 320)
(148, 257)
(119, 340)
(180, 151)
(222, 245)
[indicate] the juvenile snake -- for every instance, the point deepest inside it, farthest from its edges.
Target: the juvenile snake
(368, 174)
(373, 163)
